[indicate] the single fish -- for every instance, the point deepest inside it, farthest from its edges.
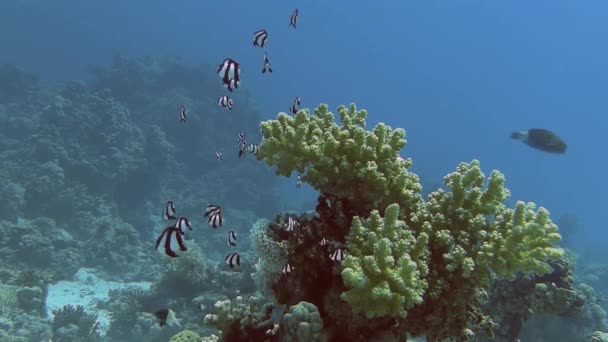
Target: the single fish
(541, 139)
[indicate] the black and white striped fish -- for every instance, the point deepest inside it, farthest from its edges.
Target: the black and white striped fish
(323, 242)
(253, 149)
(267, 67)
(291, 224)
(230, 73)
(293, 18)
(242, 143)
(225, 102)
(183, 115)
(287, 268)
(182, 223)
(169, 212)
(299, 182)
(260, 37)
(213, 213)
(231, 238)
(171, 239)
(337, 255)
(233, 259)
(295, 107)
(218, 155)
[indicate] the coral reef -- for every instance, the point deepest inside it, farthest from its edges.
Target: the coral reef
(302, 323)
(425, 266)
(241, 319)
(72, 323)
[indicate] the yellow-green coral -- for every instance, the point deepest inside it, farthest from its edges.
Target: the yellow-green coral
(185, 336)
(385, 266)
(346, 161)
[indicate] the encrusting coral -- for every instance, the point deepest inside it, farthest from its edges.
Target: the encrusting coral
(302, 323)
(427, 264)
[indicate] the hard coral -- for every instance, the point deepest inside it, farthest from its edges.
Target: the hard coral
(428, 264)
(346, 161)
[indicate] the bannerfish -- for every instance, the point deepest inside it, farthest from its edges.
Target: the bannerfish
(267, 67)
(541, 139)
(225, 102)
(213, 213)
(260, 37)
(295, 107)
(229, 71)
(167, 317)
(231, 238)
(169, 212)
(293, 18)
(287, 269)
(291, 223)
(233, 259)
(182, 224)
(168, 238)
(242, 143)
(337, 255)
(253, 149)
(299, 182)
(323, 242)
(182, 114)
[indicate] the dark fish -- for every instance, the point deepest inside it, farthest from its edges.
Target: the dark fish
(168, 238)
(231, 238)
(229, 71)
(218, 155)
(295, 107)
(233, 259)
(293, 18)
(287, 269)
(169, 212)
(225, 102)
(541, 139)
(337, 255)
(167, 317)
(260, 37)
(182, 114)
(213, 213)
(182, 224)
(299, 182)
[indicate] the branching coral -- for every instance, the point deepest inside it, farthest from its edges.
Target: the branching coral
(428, 262)
(346, 161)
(386, 265)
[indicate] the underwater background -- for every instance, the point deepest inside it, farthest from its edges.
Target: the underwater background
(92, 149)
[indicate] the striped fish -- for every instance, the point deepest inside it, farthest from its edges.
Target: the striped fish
(231, 238)
(260, 37)
(225, 102)
(218, 155)
(291, 223)
(213, 213)
(267, 67)
(182, 224)
(182, 114)
(287, 269)
(169, 237)
(229, 71)
(293, 18)
(295, 107)
(337, 255)
(169, 212)
(233, 259)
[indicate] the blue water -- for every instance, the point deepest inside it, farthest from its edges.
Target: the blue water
(459, 76)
